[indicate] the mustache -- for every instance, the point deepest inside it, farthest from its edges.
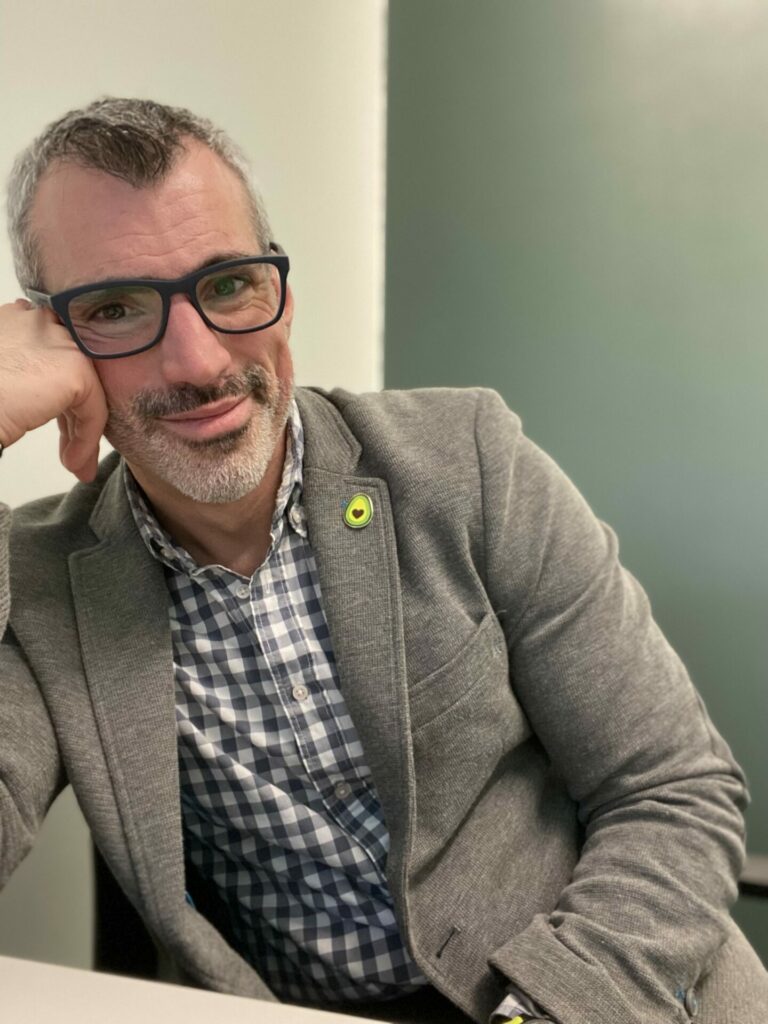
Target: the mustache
(187, 397)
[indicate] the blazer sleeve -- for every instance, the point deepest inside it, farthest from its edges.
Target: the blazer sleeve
(659, 795)
(30, 767)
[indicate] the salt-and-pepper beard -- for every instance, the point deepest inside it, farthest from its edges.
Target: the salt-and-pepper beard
(214, 470)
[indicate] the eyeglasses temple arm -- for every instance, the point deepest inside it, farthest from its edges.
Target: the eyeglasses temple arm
(39, 298)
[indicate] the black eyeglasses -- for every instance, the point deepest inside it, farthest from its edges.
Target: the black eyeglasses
(111, 319)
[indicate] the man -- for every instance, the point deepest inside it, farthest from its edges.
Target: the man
(357, 701)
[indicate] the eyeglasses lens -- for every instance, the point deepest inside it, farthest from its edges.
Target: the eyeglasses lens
(240, 298)
(120, 319)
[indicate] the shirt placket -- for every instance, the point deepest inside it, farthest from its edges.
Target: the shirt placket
(291, 665)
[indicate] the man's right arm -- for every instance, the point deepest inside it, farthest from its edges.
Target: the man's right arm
(43, 376)
(30, 767)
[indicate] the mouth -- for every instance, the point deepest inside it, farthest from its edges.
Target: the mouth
(212, 420)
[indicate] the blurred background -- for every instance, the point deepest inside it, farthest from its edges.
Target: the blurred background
(577, 215)
(570, 200)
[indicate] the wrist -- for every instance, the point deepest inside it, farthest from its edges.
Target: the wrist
(6, 438)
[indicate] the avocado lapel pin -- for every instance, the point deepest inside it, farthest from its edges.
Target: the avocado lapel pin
(358, 511)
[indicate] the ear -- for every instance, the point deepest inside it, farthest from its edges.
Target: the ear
(287, 316)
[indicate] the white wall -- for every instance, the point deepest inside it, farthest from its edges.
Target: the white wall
(300, 85)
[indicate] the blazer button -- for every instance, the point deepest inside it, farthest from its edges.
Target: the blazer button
(691, 1002)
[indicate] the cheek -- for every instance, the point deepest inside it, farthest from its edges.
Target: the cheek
(270, 349)
(119, 381)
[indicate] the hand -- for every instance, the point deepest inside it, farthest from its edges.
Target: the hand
(44, 376)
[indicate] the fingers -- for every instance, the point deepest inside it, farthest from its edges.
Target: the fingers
(79, 456)
(80, 430)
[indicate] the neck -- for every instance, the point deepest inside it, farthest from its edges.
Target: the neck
(234, 534)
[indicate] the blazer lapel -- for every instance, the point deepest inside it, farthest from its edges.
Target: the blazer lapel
(359, 579)
(121, 605)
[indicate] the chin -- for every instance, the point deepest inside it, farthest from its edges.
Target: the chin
(216, 471)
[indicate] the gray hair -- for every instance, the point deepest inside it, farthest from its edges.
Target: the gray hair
(135, 140)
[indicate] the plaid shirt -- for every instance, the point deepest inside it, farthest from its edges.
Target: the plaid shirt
(280, 813)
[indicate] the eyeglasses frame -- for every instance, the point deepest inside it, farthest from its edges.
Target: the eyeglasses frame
(166, 288)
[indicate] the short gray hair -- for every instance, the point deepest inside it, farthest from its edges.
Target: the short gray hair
(136, 140)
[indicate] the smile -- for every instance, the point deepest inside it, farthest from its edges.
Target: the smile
(207, 421)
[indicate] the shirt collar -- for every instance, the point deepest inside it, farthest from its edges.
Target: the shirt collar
(288, 505)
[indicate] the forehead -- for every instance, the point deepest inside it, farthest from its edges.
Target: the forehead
(90, 225)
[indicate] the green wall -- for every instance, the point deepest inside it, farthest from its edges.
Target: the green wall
(578, 216)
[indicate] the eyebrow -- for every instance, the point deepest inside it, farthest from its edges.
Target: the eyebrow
(219, 257)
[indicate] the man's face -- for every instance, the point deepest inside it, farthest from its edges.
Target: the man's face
(202, 411)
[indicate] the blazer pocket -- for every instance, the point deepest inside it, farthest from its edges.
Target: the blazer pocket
(482, 657)
(464, 719)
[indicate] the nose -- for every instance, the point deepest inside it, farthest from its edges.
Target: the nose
(191, 353)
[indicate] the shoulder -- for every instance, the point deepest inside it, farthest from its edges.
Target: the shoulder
(425, 426)
(430, 410)
(61, 520)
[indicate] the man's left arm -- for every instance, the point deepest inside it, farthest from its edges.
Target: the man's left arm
(659, 794)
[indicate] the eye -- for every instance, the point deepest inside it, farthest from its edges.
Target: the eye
(226, 285)
(114, 311)
(109, 305)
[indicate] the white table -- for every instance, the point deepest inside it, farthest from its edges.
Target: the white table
(33, 993)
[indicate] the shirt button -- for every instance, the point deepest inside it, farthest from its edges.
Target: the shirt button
(300, 692)
(243, 590)
(342, 790)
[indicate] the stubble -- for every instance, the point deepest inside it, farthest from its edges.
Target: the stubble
(215, 470)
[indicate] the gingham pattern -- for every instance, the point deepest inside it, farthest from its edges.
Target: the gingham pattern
(279, 809)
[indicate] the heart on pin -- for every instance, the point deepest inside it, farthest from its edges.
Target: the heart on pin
(359, 511)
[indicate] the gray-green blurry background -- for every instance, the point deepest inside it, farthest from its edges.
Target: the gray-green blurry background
(577, 215)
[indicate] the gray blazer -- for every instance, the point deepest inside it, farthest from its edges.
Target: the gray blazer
(562, 813)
